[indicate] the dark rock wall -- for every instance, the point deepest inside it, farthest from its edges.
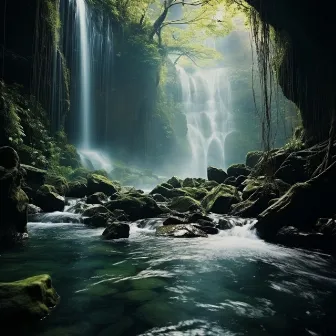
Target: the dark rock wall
(307, 73)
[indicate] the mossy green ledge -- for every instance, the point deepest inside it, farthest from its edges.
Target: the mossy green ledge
(27, 300)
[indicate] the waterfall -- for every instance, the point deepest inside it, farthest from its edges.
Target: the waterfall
(206, 98)
(86, 43)
(85, 74)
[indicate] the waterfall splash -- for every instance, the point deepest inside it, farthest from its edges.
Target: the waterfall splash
(206, 95)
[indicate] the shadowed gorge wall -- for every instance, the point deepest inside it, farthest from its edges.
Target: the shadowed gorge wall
(307, 72)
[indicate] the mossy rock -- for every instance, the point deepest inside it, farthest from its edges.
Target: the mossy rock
(175, 182)
(220, 199)
(60, 183)
(216, 174)
(209, 185)
(77, 189)
(253, 157)
(100, 183)
(33, 177)
(183, 204)
(95, 209)
(135, 207)
(29, 300)
(190, 182)
(116, 230)
(96, 198)
(196, 193)
(47, 188)
(238, 169)
(167, 185)
(49, 201)
(79, 174)
(168, 193)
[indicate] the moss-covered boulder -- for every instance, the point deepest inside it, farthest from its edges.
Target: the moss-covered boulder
(77, 189)
(220, 199)
(135, 207)
(216, 174)
(293, 169)
(33, 177)
(99, 219)
(238, 169)
(28, 300)
(60, 183)
(168, 193)
(252, 158)
(180, 231)
(189, 182)
(251, 186)
(174, 220)
(167, 185)
(95, 209)
(13, 200)
(116, 230)
(48, 200)
(96, 198)
(159, 198)
(254, 205)
(175, 182)
(183, 204)
(301, 206)
(196, 193)
(100, 183)
(209, 185)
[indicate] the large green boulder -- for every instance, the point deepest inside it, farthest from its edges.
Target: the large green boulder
(135, 207)
(216, 174)
(175, 182)
(13, 200)
(196, 193)
(48, 200)
(220, 199)
(59, 182)
(28, 300)
(190, 182)
(100, 183)
(180, 231)
(183, 204)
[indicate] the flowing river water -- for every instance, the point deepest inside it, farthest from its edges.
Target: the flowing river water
(228, 284)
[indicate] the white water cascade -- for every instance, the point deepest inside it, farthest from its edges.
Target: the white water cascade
(206, 97)
(85, 74)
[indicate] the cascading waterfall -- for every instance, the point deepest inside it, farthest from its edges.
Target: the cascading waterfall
(86, 40)
(85, 74)
(206, 96)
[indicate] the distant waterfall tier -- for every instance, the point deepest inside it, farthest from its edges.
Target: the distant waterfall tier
(86, 45)
(206, 98)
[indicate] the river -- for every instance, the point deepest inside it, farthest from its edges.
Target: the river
(228, 284)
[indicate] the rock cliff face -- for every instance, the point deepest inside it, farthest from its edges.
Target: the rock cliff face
(307, 72)
(13, 200)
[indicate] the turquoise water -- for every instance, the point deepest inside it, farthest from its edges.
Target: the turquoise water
(229, 284)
